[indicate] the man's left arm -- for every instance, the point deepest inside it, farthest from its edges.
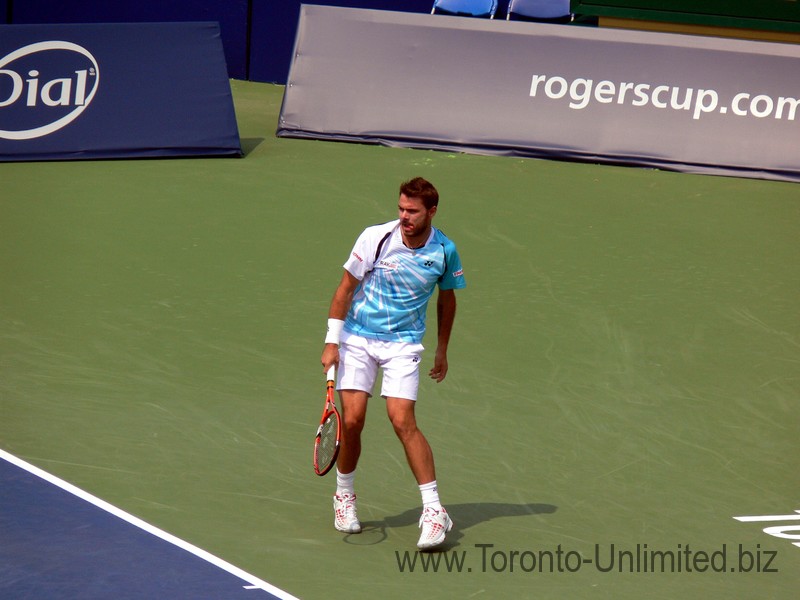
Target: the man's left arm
(445, 314)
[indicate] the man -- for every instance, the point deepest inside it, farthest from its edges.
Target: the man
(377, 321)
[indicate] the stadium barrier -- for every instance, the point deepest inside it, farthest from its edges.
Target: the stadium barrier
(678, 102)
(114, 91)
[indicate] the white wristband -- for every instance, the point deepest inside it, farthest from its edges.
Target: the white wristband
(334, 331)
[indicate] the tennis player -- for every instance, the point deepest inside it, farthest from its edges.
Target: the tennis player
(376, 323)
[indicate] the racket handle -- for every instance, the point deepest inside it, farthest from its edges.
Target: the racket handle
(332, 373)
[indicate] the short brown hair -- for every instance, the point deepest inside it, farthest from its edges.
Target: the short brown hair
(422, 189)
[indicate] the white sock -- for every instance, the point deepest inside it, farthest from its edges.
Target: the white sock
(430, 495)
(344, 483)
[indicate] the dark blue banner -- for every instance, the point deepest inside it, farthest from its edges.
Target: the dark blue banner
(114, 91)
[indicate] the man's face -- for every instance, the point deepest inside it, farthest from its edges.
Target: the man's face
(415, 219)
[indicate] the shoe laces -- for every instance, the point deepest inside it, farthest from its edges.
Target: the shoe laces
(346, 506)
(434, 519)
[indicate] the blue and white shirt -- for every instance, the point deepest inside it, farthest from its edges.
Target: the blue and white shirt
(391, 302)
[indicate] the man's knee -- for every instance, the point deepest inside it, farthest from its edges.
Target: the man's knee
(403, 421)
(353, 411)
(353, 423)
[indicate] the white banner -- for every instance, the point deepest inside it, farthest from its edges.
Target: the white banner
(678, 102)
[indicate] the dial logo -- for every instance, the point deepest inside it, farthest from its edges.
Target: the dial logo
(45, 86)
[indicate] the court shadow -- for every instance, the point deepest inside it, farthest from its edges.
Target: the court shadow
(250, 144)
(464, 516)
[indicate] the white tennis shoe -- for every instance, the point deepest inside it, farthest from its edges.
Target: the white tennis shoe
(434, 524)
(345, 517)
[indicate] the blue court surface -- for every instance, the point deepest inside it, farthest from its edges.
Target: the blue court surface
(58, 542)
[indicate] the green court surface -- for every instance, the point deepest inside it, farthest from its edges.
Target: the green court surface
(624, 370)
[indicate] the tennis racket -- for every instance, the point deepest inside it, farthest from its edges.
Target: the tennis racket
(326, 444)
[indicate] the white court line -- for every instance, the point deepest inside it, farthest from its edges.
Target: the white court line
(254, 582)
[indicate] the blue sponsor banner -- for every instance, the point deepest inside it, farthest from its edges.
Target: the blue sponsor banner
(114, 91)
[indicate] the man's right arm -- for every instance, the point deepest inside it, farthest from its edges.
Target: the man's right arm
(340, 305)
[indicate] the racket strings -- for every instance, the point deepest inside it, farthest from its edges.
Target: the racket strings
(326, 451)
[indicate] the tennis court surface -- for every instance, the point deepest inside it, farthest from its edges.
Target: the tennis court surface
(59, 542)
(624, 377)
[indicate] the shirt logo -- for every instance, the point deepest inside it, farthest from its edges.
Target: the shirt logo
(458, 273)
(388, 265)
(428, 263)
(358, 258)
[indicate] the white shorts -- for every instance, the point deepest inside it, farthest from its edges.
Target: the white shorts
(361, 358)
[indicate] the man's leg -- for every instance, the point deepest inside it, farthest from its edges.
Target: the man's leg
(353, 405)
(434, 522)
(353, 410)
(418, 451)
